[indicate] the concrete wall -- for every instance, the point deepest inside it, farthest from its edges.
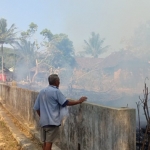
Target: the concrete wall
(21, 102)
(88, 127)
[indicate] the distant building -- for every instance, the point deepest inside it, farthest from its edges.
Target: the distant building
(120, 68)
(2, 77)
(7, 75)
(87, 63)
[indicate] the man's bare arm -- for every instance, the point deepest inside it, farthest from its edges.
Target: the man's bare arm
(75, 102)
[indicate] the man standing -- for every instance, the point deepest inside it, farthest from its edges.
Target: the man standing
(48, 105)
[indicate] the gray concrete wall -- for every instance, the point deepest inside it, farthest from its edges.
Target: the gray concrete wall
(88, 127)
(21, 102)
(95, 127)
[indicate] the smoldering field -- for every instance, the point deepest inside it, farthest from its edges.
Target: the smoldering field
(110, 84)
(113, 77)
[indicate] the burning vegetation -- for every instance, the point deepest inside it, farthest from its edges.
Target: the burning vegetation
(29, 62)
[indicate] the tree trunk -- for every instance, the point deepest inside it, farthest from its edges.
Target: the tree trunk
(36, 71)
(2, 63)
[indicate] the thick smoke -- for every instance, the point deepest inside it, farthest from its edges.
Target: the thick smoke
(118, 80)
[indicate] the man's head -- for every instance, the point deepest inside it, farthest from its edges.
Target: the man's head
(53, 79)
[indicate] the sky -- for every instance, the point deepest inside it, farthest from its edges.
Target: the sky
(114, 20)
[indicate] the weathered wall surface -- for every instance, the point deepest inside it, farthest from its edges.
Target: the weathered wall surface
(21, 101)
(95, 127)
(88, 127)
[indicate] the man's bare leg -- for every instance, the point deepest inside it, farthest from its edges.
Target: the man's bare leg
(44, 146)
(47, 146)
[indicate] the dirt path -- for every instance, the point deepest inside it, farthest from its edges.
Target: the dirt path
(20, 128)
(7, 142)
(19, 131)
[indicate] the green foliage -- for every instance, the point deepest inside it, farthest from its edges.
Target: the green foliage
(94, 45)
(33, 27)
(26, 53)
(59, 49)
(61, 52)
(24, 35)
(7, 36)
(27, 34)
(9, 55)
(65, 46)
(47, 34)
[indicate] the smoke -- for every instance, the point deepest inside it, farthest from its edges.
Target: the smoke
(113, 20)
(118, 21)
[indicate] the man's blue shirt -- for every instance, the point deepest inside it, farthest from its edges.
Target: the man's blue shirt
(49, 102)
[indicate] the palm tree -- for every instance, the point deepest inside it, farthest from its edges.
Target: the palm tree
(94, 45)
(7, 36)
(26, 54)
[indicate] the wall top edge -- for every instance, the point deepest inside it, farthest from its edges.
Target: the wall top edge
(85, 103)
(19, 88)
(114, 108)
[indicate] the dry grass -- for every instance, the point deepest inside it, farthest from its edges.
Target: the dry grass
(7, 142)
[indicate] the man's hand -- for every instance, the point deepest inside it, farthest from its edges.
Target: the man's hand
(82, 99)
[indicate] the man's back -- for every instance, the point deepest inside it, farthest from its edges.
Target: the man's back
(49, 102)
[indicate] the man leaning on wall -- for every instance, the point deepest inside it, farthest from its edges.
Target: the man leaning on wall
(48, 104)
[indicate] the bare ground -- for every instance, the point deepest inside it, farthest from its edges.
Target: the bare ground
(7, 141)
(22, 129)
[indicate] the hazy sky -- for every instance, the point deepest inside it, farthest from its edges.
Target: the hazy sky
(114, 20)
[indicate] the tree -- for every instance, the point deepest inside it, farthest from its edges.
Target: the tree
(7, 36)
(32, 27)
(30, 32)
(66, 51)
(26, 53)
(60, 49)
(94, 45)
(9, 55)
(47, 34)
(29, 49)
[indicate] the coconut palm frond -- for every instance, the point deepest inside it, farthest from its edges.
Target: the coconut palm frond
(94, 45)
